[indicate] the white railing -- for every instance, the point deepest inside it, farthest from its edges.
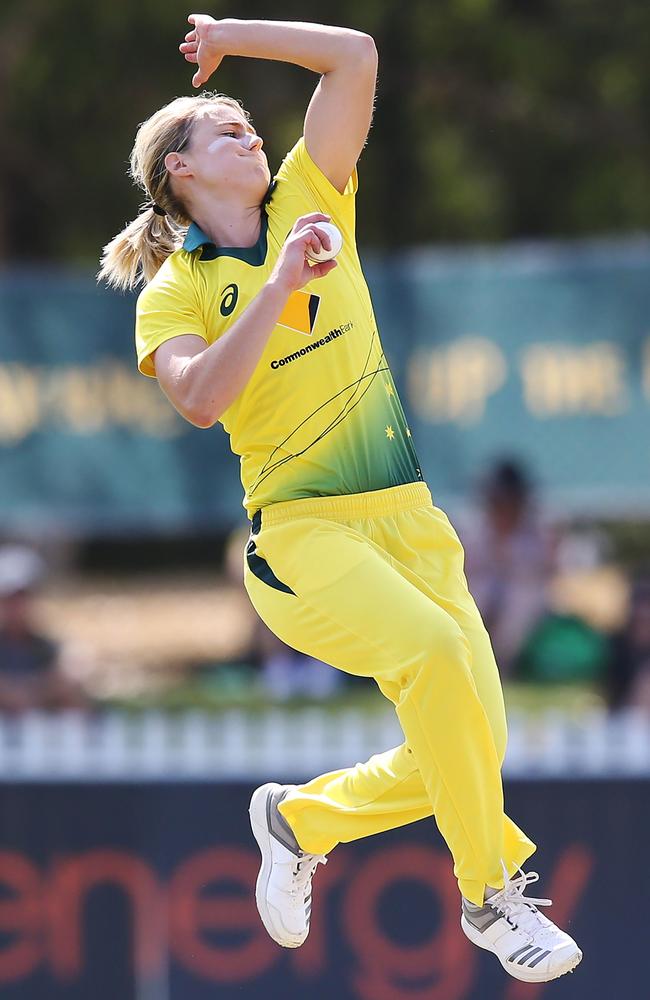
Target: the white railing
(293, 744)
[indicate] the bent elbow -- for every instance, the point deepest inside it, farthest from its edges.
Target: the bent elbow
(201, 419)
(199, 411)
(197, 414)
(358, 51)
(368, 51)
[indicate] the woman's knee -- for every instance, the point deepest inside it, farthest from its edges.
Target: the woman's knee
(439, 650)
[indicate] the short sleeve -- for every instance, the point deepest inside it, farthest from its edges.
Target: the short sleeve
(168, 307)
(299, 170)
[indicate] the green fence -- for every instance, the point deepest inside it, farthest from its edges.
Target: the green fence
(537, 351)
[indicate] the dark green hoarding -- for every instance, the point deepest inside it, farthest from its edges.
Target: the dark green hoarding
(538, 351)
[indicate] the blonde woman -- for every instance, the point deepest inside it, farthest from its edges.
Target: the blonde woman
(349, 560)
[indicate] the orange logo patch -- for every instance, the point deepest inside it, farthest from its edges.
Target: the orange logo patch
(299, 314)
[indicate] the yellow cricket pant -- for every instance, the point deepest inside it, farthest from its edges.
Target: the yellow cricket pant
(373, 584)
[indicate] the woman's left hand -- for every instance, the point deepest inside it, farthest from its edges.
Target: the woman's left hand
(202, 45)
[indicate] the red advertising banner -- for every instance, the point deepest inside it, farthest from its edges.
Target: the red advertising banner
(146, 892)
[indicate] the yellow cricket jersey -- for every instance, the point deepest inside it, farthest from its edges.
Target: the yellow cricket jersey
(320, 415)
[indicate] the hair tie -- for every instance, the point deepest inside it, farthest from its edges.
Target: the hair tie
(157, 209)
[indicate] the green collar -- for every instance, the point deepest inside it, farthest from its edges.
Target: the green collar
(255, 255)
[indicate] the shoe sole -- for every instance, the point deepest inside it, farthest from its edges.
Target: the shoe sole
(520, 972)
(259, 826)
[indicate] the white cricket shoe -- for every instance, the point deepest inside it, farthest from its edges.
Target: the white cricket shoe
(283, 890)
(529, 946)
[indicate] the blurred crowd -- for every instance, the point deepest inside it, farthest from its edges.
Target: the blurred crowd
(516, 554)
(529, 574)
(32, 668)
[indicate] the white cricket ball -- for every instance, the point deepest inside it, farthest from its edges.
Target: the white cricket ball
(336, 240)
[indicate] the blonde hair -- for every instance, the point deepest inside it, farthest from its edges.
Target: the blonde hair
(137, 253)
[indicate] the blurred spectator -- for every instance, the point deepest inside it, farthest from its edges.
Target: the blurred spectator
(286, 673)
(563, 648)
(30, 671)
(628, 680)
(510, 558)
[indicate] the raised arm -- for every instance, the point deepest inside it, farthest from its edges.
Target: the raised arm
(340, 111)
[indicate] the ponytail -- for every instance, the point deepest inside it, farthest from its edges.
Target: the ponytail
(136, 254)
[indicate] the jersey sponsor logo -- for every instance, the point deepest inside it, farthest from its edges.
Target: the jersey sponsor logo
(299, 314)
(328, 338)
(229, 298)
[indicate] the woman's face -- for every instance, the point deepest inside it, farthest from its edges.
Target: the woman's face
(225, 154)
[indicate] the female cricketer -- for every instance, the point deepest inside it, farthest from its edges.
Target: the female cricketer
(349, 560)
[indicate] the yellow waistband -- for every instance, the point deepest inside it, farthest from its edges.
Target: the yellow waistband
(377, 503)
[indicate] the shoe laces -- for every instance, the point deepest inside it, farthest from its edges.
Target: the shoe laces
(518, 909)
(303, 872)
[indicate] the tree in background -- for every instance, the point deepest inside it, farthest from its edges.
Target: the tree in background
(495, 118)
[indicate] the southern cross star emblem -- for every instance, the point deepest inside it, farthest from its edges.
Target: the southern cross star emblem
(390, 433)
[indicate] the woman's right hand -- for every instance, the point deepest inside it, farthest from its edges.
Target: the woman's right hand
(203, 45)
(292, 269)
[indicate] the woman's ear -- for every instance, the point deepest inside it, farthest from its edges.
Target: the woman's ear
(177, 166)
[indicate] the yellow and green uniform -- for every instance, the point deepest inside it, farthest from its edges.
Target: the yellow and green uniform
(374, 584)
(349, 561)
(320, 415)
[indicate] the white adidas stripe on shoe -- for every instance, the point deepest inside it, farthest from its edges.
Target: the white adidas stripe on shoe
(284, 883)
(529, 946)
